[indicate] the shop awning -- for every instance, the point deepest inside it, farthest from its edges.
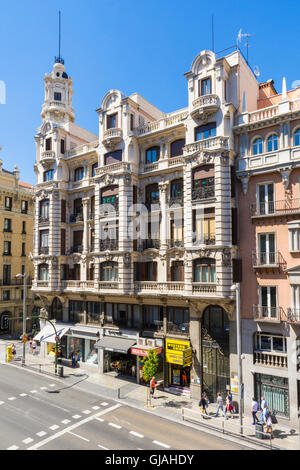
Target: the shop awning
(120, 345)
(144, 350)
(47, 334)
(85, 332)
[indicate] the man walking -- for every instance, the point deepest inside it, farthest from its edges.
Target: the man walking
(153, 385)
(220, 406)
(263, 406)
(254, 409)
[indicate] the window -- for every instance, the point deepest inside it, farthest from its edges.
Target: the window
(257, 146)
(177, 230)
(177, 190)
(265, 196)
(266, 248)
(110, 195)
(297, 137)
(152, 316)
(177, 147)
(145, 271)
(178, 316)
(152, 155)
(205, 270)
(7, 248)
(23, 249)
(43, 272)
(48, 175)
(23, 227)
(294, 235)
(177, 271)
(94, 167)
(44, 238)
(48, 144)
(62, 146)
(113, 157)
(152, 194)
(205, 132)
(204, 226)
(271, 343)
(24, 207)
(204, 87)
(8, 203)
(203, 182)
(268, 301)
(44, 210)
(6, 274)
(109, 272)
(6, 295)
(131, 122)
(112, 121)
(79, 174)
(57, 96)
(63, 211)
(62, 241)
(272, 143)
(7, 225)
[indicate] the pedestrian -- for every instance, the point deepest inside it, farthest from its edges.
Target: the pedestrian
(229, 406)
(73, 358)
(269, 425)
(254, 409)
(153, 386)
(30, 346)
(184, 378)
(264, 414)
(13, 350)
(220, 406)
(263, 406)
(33, 347)
(203, 404)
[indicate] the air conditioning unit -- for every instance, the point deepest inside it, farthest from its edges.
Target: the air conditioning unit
(142, 342)
(152, 343)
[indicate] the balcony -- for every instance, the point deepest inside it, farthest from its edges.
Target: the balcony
(267, 314)
(275, 208)
(76, 249)
(206, 192)
(176, 201)
(267, 260)
(204, 288)
(111, 245)
(108, 285)
(158, 287)
(77, 217)
(47, 157)
(149, 244)
(153, 206)
(293, 315)
(112, 137)
(176, 243)
(204, 106)
(206, 239)
(270, 359)
(109, 209)
(43, 250)
(44, 219)
(170, 120)
(213, 143)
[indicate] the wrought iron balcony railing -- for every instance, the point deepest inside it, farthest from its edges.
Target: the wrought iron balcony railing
(265, 313)
(203, 193)
(271, 208)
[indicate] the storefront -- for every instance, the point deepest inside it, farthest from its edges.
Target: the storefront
(276, 392)
(117, 357)
(178, 360)
(47, 337)
(140, 351)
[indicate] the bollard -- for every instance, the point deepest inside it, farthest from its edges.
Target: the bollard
(60, 371)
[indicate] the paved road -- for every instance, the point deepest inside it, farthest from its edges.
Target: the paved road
(37, 412)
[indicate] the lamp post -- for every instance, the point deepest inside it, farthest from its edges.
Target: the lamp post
(20, 276)
(236, 288)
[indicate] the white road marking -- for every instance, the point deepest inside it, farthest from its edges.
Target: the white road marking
(100, 419)
(104, 403)
(161, 444)
(115, 425)
(52, 385)
(77, 435)
(54, 427)
(28, 440)
(1, 402)
(139, 448)
(86, 412)
(12, 448)
(76, 416)
(23, 394)
(73, 426)
(41, 433)
(33, 391)
(12, 398)
(96, 408)
(43, 388)
(66, 421)
(136, 434)
(102, 447)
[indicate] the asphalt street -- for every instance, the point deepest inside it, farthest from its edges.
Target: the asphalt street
(41, 413)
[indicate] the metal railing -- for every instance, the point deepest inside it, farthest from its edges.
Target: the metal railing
(265, 313)
(112, 245)
(150, 243)
(203, 193)
(76, 249)
(77, 217)
(176, 201)
(281, 207)
(293, 315)
(263, 258)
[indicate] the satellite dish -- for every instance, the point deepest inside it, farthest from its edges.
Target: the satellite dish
(256, 71)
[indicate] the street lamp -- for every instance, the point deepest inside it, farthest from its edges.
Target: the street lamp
(237, 289)
(20, 276)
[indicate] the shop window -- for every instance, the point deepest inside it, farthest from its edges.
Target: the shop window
(275, 390)
(152, 316)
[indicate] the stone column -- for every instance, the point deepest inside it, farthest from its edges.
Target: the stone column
(85, 203)
(195, 337)
(164, 219)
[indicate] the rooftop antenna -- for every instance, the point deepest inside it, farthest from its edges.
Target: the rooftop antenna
(239, 39)
(59, 59)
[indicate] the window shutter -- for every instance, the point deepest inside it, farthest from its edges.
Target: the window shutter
(234, 226)
(181, 273)
(63, 211)
(170, 276)
(154, 271)
(237, 271)
(62, 241)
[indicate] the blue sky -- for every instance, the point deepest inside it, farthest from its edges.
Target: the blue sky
(131, 45)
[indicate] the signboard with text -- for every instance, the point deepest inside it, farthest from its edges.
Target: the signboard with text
(176, 352)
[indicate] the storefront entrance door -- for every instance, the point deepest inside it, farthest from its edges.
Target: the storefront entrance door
(215, 353)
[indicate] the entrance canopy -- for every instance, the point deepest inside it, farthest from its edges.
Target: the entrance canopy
(120, 345)
(47, 334)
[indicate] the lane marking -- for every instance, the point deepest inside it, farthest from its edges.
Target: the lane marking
(76, 416)
(73, 426)
(136, 434)
(86, 412)
(66, 421)
(100, 419)
(12, 398)
(96, 408)
(12, 448)
(23, 394)
(1, 402)
(43, 388)
(104, 403)
(33, 391)
(115, 425)
(54, 427)
(41, 433)
(161, 444)
(77, 435)
(102, 447)
(52, 385)
(28, 440)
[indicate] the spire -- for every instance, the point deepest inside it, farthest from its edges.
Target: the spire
(59, 59)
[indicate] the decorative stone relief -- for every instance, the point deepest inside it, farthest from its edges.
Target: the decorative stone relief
(226, 257)
(285, 173)
(127, 260)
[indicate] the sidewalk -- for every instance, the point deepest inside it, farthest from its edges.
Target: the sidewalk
(164, 404)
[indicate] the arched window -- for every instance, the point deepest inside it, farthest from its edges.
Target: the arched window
(177, 147)
(57, 310)
(78, 174)
(205, 270)
(43, 272)
(272, 143)
(152, 155)
(257, 146)
(297, 137)
(215, 322)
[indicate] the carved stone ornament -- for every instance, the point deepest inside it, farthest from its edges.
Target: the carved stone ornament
(224, 159)
(285, 173)
(244, 180)
(163, 258)
(108, 179)
(83, 259)
(76, 259)
(127, 260)
(204, 253)
(108, 256)
(163, 186)
(226, 257)
(127, 179)
(54, 262)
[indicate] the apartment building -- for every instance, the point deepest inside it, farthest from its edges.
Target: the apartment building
(268, 167)
(135, 239)
(16, 242)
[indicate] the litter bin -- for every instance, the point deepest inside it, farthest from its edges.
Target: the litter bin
(60, 371)
(259, 429)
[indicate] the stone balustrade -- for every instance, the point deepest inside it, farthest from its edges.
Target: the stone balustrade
(270, 359)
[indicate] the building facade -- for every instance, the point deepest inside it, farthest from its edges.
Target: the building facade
(268, 167)
(135, 237)
(16, 242)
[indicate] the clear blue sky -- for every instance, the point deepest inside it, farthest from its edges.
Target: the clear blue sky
(131, 45)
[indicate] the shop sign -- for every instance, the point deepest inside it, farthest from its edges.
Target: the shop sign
(234, 384)
(187, 357)
(175, 351)
(144, 352)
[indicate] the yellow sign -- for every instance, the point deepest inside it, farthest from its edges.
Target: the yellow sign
(176, 352)
(234, 384)
(9, 355)
(187, 357)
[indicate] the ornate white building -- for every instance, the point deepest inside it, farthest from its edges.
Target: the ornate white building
(136, 230)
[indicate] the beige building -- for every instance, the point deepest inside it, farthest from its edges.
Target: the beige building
(16, 238)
